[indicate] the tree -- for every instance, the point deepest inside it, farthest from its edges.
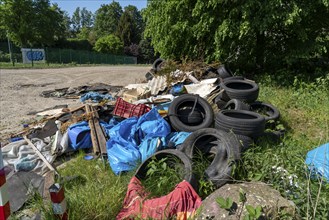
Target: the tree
(109, 44)
(132, 50)
(130, 26)
(106, 19)
(247, 33)
(87, 18)
(3, 32)
(82, 19)
(87, 33)
(146, 51)
(76, 20)
(32, 22)
(66, 24)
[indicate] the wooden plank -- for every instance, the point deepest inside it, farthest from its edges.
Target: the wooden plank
(99, 132)
(94, 140)
(40, 155)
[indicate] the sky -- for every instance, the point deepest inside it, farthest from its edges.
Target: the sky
(93, 5)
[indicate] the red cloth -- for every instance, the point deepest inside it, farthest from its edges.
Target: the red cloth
(181, 202)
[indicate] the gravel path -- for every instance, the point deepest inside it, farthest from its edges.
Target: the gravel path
(20, 89)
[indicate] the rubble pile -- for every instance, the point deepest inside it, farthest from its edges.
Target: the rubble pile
(173, 113)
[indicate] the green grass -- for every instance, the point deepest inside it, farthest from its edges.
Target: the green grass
(304, 107)
(95, 193)
(167, 172)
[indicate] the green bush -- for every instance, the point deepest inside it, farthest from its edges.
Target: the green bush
(109, 44)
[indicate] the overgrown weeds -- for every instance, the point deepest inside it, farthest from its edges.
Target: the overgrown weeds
(97, 193)
(304, 107)
(162, 176)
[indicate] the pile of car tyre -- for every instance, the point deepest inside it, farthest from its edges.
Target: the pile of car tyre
(224, 134)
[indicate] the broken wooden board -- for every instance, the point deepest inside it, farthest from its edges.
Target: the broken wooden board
(96, 148)
(99, 132)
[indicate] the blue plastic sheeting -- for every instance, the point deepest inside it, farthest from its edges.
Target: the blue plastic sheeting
(317, 161)
(127, 137)
(178, 89)
(149, 146)
(163, 106)
(95, 97)
(79, 135)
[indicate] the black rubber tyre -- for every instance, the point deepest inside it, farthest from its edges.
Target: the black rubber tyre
(220, 102)
(267, 110)
(224, 72)
(190, 118)
(243, 90)
(190, 123)
(234, 77)
(235, 104)
(245, 142)
(157, 64)
(274, 137)
(173, 156)
(240, 122)
(225, 148)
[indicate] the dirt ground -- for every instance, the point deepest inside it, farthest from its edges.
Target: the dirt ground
(20, 89)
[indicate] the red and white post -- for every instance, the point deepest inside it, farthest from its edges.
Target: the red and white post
(58, 199)
(4, 198)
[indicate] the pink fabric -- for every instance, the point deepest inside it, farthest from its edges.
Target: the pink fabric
(182, 202)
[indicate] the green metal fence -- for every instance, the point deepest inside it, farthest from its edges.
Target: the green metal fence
(56, 55)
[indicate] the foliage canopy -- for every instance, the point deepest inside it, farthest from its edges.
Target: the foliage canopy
(107, 17)
(32, 22)
(109, 44)
(248, 33)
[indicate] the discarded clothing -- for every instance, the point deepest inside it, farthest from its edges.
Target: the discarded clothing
(317, 161)
(127, 137)
(181, 203)
(95, 97)
(22, 157)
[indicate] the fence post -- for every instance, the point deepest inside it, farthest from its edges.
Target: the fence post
(60, 56)
(32, 57)
(4, 198)
(58, 199)
(47, 56)
(71, 55)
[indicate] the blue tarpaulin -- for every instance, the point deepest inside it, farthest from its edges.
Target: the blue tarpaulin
(79, 134)
(149, 146)
(135, 139)
(317, 161)
(131, 141)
